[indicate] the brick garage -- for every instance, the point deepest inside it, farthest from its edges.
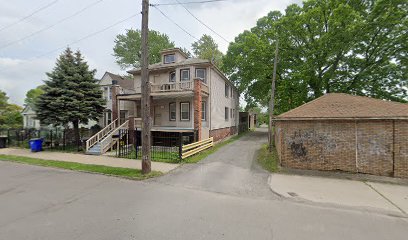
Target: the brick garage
(346, 133)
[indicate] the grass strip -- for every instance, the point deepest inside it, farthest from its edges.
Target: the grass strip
(129, 173)
(201, 155)
(268, 160)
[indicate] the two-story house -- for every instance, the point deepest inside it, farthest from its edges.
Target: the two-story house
(106, 82)
(188, 95)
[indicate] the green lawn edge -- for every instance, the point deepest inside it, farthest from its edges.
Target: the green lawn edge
(201, 155)
(129, 173)
(268, 160)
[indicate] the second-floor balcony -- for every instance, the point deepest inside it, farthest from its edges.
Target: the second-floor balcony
(176, 87)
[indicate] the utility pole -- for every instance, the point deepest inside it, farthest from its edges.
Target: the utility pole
(272, 101)
(146, 88)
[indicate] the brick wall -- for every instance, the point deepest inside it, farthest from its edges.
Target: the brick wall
(353, 146)
(221, 133)
(401, 148)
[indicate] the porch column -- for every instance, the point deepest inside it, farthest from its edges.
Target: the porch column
(197, 107)
(115, 102)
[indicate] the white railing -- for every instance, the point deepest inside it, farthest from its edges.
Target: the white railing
(108, 141)
(101, 134)
(138, 122)
(173, 87)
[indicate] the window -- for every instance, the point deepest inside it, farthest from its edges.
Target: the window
(139, 111)
(172, 77)
(110, 93)
(226, 114)
(185, 74)
(232, 96)
(201, 73)
(185, 111)
(226, 90)
(170, 58)
(203, 110)
(172, 111)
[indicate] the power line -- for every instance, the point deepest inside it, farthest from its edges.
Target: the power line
(184, 30)
(89, 35)
(51, 26)
(29, 15)
(167, 4)
(203, 22)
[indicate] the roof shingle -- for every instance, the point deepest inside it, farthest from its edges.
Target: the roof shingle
(341, 106)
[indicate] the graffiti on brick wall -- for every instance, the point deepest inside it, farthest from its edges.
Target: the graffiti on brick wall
(301, 139)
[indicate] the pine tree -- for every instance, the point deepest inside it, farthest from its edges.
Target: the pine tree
(71, 94)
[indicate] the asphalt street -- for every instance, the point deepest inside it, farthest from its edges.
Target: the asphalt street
(224, 197)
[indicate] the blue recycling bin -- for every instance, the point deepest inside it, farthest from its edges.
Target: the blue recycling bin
(36, 144)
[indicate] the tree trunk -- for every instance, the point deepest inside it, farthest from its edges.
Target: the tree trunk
(76, 133)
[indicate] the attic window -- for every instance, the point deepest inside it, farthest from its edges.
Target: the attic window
(169, 58)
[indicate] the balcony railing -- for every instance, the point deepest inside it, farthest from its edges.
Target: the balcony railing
(173, 87)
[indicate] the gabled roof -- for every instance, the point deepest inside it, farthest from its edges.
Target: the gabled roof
(124, 82)
(172, 50)
(345, 106)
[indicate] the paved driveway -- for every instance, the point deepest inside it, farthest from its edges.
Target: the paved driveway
(231, 170)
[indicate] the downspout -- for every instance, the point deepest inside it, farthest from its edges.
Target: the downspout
(356, 144)
(393, 148)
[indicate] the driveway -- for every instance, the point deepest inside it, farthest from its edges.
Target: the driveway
(231, 170)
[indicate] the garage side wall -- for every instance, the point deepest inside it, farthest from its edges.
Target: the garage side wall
(378, 147)
(401, 148)
(316, 145)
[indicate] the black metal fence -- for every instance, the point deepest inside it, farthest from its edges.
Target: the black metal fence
(53, 139)
(243, 127)
(165, 146)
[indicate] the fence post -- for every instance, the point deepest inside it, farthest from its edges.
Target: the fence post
(8, 137)
(180, 145)
(135, 142)
(63, 139)
(51, 140)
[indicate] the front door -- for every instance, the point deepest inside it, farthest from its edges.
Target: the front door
(157, 115)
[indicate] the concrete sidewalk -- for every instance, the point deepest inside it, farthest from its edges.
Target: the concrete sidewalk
(88, 159)
(364, 195)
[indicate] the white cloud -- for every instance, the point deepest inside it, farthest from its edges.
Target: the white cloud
(21, 71)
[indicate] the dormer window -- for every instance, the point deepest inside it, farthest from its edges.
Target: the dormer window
(169, 58)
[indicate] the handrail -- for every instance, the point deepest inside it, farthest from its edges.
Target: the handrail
(101, 134)
(172, 86)
(105, 143)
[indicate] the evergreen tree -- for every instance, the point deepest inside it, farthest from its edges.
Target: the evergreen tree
(71, 94)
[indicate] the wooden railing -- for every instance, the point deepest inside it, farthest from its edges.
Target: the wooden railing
(101, 134)
(108, 141)
(173, 87)
(194, 148)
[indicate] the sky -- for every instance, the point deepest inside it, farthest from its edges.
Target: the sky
(30, 45)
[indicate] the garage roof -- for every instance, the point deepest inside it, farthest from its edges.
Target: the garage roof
(345, 106)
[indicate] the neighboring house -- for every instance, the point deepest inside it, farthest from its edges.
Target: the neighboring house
(188, 95)
(29, 118)
(347, 133)
(107, 81)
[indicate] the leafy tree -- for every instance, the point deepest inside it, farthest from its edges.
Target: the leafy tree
(71, 93)
(3, 100)
(206, 48)
(33, 95)
(357, 47)
(127, 47)
(10, 114)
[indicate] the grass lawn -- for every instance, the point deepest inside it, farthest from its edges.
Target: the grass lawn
(129, 173)
(269, 161)
(201, 155)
